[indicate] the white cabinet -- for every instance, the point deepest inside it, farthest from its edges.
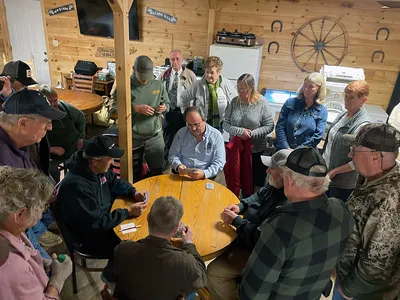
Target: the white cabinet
(238, 60)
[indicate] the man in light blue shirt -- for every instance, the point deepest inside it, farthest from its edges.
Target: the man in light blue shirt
(198, 150)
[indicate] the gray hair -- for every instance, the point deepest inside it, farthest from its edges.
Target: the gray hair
(22, 188)
(314, 184)
(164, 215)
(318, 79)
(197, 109)
(11, 119)
(90, 158)
(47, 90)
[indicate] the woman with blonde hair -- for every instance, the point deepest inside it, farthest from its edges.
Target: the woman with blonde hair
(212, 93)
(248, 117)
(302, 119)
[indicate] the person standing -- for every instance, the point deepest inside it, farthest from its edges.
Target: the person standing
(150, 102)
(302, 119)
(341, 169)
(370, 266)
(247, 117)
(176, 79)
(212, 93)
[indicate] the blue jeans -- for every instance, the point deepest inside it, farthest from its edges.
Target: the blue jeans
(336, 295)
(191, 296)
(41, 226)
(32, 238)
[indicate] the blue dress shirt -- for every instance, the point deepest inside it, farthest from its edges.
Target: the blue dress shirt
(299, 127)
(207, 155)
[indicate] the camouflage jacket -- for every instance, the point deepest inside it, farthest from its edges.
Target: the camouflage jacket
(370, 266)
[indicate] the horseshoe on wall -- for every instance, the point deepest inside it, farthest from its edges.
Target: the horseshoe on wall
(385, 29)
(277, 47)
(280, 27)
(378, 52)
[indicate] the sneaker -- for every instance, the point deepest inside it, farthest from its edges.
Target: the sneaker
(49, 240)
(111, 285)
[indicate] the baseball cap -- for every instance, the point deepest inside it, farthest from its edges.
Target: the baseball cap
(144, 68)
(277, 160)
(20, 71)
(30, 102)
(379, 137)
(304, 160)
(102, 146)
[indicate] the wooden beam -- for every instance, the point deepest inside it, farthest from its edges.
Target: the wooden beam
(211, 23)
(121, 43)
(6, 34)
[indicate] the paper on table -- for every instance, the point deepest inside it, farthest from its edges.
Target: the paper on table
(125, 230)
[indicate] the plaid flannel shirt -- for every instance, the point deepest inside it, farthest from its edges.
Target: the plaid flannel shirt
(297, 250)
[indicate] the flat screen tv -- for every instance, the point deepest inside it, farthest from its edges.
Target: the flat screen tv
(96, 18)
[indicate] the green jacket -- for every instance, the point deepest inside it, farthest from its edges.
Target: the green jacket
(151, 94)
(370, 266)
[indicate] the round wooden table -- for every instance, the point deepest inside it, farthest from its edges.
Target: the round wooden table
(88, 103)
(201, 211)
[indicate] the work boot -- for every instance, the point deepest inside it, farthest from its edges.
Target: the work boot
(48, 240)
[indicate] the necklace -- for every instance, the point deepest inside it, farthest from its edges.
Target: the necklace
(241, 109)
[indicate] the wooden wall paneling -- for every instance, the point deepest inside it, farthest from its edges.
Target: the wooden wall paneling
(192, 35)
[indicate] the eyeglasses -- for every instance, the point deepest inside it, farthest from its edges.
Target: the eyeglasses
(241, 90)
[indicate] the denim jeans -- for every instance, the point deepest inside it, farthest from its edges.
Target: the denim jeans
(336, 295)
(41, 226)
(32, 238)
(191, 296)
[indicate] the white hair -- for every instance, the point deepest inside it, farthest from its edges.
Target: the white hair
(314, 184)
(11, 119)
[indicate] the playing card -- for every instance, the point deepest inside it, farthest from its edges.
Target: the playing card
(146, 197)
(210, 186)
(181, 228)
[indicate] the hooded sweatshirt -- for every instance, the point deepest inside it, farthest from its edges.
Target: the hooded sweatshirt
(152, 94)
(84, 199)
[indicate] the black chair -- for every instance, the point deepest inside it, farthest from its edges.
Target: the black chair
(74, 249)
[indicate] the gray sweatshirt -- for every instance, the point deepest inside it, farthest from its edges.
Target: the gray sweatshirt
(255, 117)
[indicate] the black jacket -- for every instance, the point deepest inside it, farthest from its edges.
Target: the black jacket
(257, 208)
(84, 199)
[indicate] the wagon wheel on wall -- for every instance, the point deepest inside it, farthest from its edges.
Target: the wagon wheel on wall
(320, 41)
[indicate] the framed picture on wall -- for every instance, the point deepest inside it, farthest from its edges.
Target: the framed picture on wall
(111, 68)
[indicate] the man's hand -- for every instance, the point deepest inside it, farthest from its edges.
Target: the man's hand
(332, 173)
(144, 109)
(182, 169)
(6, 90)
(233, 207)
(228, 216)
(187, 235)
(246, 134)
(161, 108)
(79, 143)
(138, 197)
(136, 209)
(197, 174)
(57, 150)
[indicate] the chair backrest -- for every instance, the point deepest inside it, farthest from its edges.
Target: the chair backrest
(64, 230)
(82, 83)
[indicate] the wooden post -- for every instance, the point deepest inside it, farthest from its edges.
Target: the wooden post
(6, 34)
(211, 24)
(121, 43)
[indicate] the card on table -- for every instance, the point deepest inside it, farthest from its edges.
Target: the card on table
(210, 186)
(146, 197)
(128, 228)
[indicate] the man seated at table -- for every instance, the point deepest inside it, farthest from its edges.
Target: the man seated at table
(152, 268)
(86, 195)
(67, 134)
(198, 149)
(301, 242)
(223, 273)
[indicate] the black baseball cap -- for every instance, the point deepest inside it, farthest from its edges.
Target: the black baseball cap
(99, 146)
(30, 102)
(304, 160)
(20, 71)
(379, 137)
(144, 68)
